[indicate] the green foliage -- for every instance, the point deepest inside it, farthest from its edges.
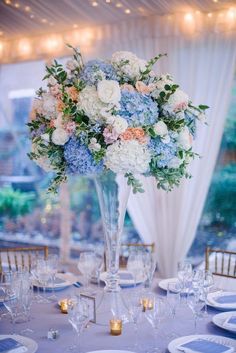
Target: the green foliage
(229, 138)
(135, 183)
(14, 203)
(221, 205)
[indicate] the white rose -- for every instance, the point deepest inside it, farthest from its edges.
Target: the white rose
(119, 124)
(45, 137)
(90, 103)
(160, 128)
(175, 162)
(60, 136)
(185, 138)
(133, 67)
(177, 101)
(94, 145)
(109, 91)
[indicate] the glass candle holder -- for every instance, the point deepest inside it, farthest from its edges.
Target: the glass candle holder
(115, 327)
(147, 304)
(64, 306)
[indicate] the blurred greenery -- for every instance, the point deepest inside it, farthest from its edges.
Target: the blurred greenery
(14, 203)
(229, 137)
(220, 205)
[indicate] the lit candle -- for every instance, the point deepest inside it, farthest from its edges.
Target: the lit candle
(147, 304)
(115, 327)
(64, 306)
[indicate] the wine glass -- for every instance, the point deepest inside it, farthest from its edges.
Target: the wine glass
(208, 282)
(134, 303)
(5, 281)
(155, 317)
(52, 261)
(86, 266)
(184, 276)
(149, 267)
(44, 275)
(135, 265)
(78, 317)
(173, 296)
(196, 304)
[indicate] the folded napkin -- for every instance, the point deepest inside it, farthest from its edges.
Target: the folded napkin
(204, 346)
(227, 299)
(230, 323)
(9, 345)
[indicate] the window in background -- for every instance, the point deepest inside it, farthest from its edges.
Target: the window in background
(217, 227)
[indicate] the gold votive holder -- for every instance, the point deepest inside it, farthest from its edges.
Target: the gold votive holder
(147, 304)
(115, 327)
(64, 306)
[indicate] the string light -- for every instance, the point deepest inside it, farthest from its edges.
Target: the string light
(27, 8)
(119, 5)
(75, 25)
(17, 5)
(44, 20)
(127, 11)
(94, 3)
(108, 1)
(8, 2)
(24, 47)
(209, 15)
(188, 17)
(231, 14)
(32, 15)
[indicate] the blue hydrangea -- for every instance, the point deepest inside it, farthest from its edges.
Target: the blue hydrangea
(96, 70)
(138, 109)
(190, 120)
(79, 159)
(163, 151)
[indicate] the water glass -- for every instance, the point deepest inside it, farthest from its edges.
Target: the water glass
(134, 310)
(135, 266)
(196, 304)
(87, 265)
(149, 267)
(173, 296)
(52, 261)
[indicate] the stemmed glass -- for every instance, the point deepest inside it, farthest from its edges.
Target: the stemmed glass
(196, 304)
(173, 296)
(155, 316)
(208, 282)
(134, 310)
(149, 267)
(185, 276)
(86, 265)
(135, 265)
(78, 317)
(43, 273)
(52, 261)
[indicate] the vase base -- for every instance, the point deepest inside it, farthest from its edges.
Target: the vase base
(110, 305)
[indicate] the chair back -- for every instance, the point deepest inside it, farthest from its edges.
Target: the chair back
(221, 262)
(20, 257)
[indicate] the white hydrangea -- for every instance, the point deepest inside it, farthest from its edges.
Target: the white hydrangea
(48, 105)
(43, 162)
(132, 68)
(90, 103)
(160, 85)
(175, 163)
(109, 91)
(127, 157)
(60, 136)
(177, 101)
(185, 139)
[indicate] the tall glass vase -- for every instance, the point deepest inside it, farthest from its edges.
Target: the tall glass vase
(113, 193)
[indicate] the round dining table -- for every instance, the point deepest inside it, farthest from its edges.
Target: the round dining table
(97, 336)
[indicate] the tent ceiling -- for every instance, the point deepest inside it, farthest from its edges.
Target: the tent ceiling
(23, 17)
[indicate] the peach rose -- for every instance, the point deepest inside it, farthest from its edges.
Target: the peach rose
(127, 87)
(134, 133)
(142, 88)
(127, 135)
(60, 105)
(73, 93)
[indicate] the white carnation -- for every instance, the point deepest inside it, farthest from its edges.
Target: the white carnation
(60, 136)
(160, 128)
(94, 145)
(185, 139)
(90, 103)
(132, 68)
(177, 101)
(127, 157)
(109, 91)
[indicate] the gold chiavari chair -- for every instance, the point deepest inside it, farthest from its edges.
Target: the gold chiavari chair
(125, 250)
(20, 257)
(221, 262)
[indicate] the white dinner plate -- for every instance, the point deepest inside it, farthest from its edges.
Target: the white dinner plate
(64, 280)
(111, 351)
(163, 284)
(126, 278)
(30, 344)
(219, 320)
(220, 307)
(173, 345)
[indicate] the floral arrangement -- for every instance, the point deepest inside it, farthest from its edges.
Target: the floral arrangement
(117, 115)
